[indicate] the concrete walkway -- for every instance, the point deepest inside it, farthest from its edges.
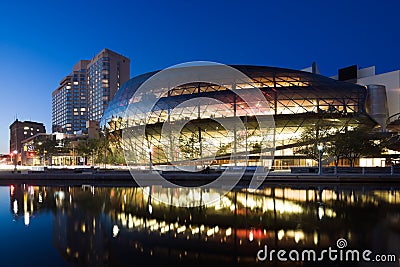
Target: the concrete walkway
(113, 177)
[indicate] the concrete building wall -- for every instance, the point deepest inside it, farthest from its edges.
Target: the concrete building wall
(391, 80)
(366, 72)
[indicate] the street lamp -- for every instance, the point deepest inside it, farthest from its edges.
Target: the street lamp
(105, 146)
(320, 148)
(73, 154)
(41, 156)
(15, 153)
(149, 150)
(44, 157)
(247, 152)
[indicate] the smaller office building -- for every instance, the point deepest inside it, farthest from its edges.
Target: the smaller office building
(21, 130)
(36, 150)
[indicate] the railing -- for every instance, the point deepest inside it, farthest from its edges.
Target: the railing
(348, 170)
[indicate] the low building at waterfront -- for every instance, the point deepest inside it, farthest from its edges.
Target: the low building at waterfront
(52, 149)
(21, 130)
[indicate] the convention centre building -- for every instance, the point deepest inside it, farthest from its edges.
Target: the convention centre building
(296, 101)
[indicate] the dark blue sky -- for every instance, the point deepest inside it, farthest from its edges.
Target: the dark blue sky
(40, 42)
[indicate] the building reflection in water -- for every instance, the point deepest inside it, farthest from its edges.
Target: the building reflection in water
(26, 200)
(104, 226)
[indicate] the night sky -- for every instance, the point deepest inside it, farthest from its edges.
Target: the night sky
(40, 42)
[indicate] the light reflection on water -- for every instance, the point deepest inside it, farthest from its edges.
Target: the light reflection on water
(104, 226)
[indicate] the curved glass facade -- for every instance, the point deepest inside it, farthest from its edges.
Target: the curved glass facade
(297, 101)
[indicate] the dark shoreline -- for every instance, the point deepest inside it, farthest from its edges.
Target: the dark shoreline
(124, 179)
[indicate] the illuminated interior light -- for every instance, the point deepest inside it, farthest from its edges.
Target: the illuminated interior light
(281, 234)
(210, 232)
(115, 230)
(130, 222)
(320, 212)
(315, 238)
(251, 236)
(26, 218)
(15, 207)
(181, 229)
(195, 230)
(298, 235)
(330, 213)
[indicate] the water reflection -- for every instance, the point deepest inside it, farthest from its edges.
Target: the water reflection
(104, 226)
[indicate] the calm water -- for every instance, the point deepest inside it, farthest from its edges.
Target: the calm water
(104, 226)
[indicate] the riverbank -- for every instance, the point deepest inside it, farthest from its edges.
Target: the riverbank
(122, 177)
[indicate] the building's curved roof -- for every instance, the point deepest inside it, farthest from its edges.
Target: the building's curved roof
(269, 77)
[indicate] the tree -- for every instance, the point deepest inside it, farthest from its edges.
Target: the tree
(190, 146)
(49, 147)
(310, 139)
(337, 147)
(358, 143)
(45, 148)
(113, 147)
(349, 145)
(88, 147)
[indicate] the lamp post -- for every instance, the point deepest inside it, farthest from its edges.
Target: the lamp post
(320, 148)
(247, 152)
(149, 150)
(41, 156)
(44, 157)
(73, 154)
(15, 153)
(105, 147)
